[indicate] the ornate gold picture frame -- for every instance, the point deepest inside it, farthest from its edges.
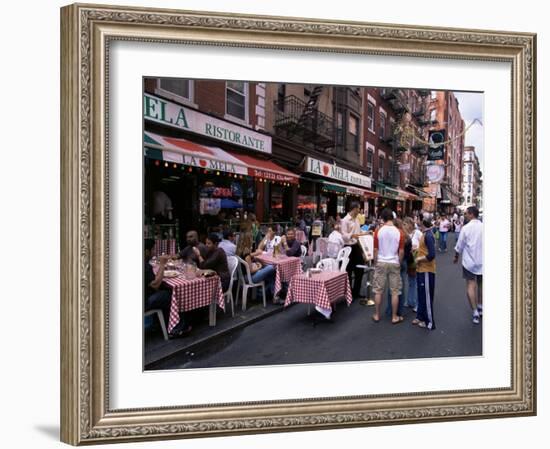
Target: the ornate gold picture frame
(87, 32)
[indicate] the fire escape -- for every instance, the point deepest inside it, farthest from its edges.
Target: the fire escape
(398, 101)
(300, 121)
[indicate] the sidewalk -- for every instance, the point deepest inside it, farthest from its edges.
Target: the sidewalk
(156, 349)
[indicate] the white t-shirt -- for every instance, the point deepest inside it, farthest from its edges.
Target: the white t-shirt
(415, 237)
(388, 240)
(444, 225)
(470, 245)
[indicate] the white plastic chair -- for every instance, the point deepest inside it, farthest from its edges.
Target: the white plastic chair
(343, 258)
(232, 263)
(327, 264)
(160, 316)
(304, 251)
(321, 246)
(245, 282)
(333, 249)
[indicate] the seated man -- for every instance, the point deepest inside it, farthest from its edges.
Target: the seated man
(291, 246)
(215, 259)
(188, 253)
(155, 297)
(228, 242)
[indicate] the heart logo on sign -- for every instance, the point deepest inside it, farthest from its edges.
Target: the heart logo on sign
(326, 169)
(202, 163)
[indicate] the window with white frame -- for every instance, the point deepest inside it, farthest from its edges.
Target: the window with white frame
(370, 116)
(177, 89)
(353, 129)
(236, 105)
(369, 159)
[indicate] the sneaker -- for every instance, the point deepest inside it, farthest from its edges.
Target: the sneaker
(480, 310)
(475, 319)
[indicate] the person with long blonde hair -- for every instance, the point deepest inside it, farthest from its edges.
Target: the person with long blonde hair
(258, 272)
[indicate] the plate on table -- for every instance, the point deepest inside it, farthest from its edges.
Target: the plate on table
(171, 274)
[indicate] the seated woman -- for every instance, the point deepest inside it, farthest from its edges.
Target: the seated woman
(215, 259)
(258, 272)
(267, 244)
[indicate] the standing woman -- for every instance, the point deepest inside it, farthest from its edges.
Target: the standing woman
(425, 277)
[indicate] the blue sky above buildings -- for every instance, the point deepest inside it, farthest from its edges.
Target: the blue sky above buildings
(471, 107)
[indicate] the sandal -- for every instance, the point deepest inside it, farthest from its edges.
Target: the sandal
(399, 320)
(422, 324)
(376, 320)
(415, 321)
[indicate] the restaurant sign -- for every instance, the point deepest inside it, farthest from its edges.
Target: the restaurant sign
(174, 115)
(337, 173)
(272, 176)
(203, 162)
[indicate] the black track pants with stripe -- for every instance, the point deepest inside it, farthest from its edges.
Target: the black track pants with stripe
(426, 287)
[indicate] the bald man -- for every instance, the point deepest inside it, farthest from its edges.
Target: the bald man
(187, 253)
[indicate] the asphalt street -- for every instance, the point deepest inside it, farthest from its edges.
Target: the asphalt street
(292, 336)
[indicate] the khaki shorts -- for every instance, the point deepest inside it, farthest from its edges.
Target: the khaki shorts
(390, 272)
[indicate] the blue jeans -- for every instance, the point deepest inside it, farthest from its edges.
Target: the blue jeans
(412, 298)
(266, 274)
(443, 241)
(404, 292)
(161, 299)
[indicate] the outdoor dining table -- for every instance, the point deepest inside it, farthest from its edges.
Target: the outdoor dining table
(286, 267)
(164, 246)
(190, 294)
(322, 289)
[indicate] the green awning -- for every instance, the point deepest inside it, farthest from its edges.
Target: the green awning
(334, 188)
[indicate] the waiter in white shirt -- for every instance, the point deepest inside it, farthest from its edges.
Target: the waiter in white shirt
(351, 231)
(470, 245)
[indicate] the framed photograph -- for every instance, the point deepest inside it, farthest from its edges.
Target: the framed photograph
(223, 177)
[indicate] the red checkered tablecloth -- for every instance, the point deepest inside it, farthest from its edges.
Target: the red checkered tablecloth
(189, 294)
(164, 247)
(321, 289)
(286, 268)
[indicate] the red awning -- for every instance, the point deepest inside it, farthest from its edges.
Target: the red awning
(269, 170)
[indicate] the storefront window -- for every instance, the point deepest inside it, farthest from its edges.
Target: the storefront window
(276, 201)
(340, 204)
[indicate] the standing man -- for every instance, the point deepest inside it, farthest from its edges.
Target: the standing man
(389, 244)
(444, 226)
(470, 245)
(425, 277)
(351, 231)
